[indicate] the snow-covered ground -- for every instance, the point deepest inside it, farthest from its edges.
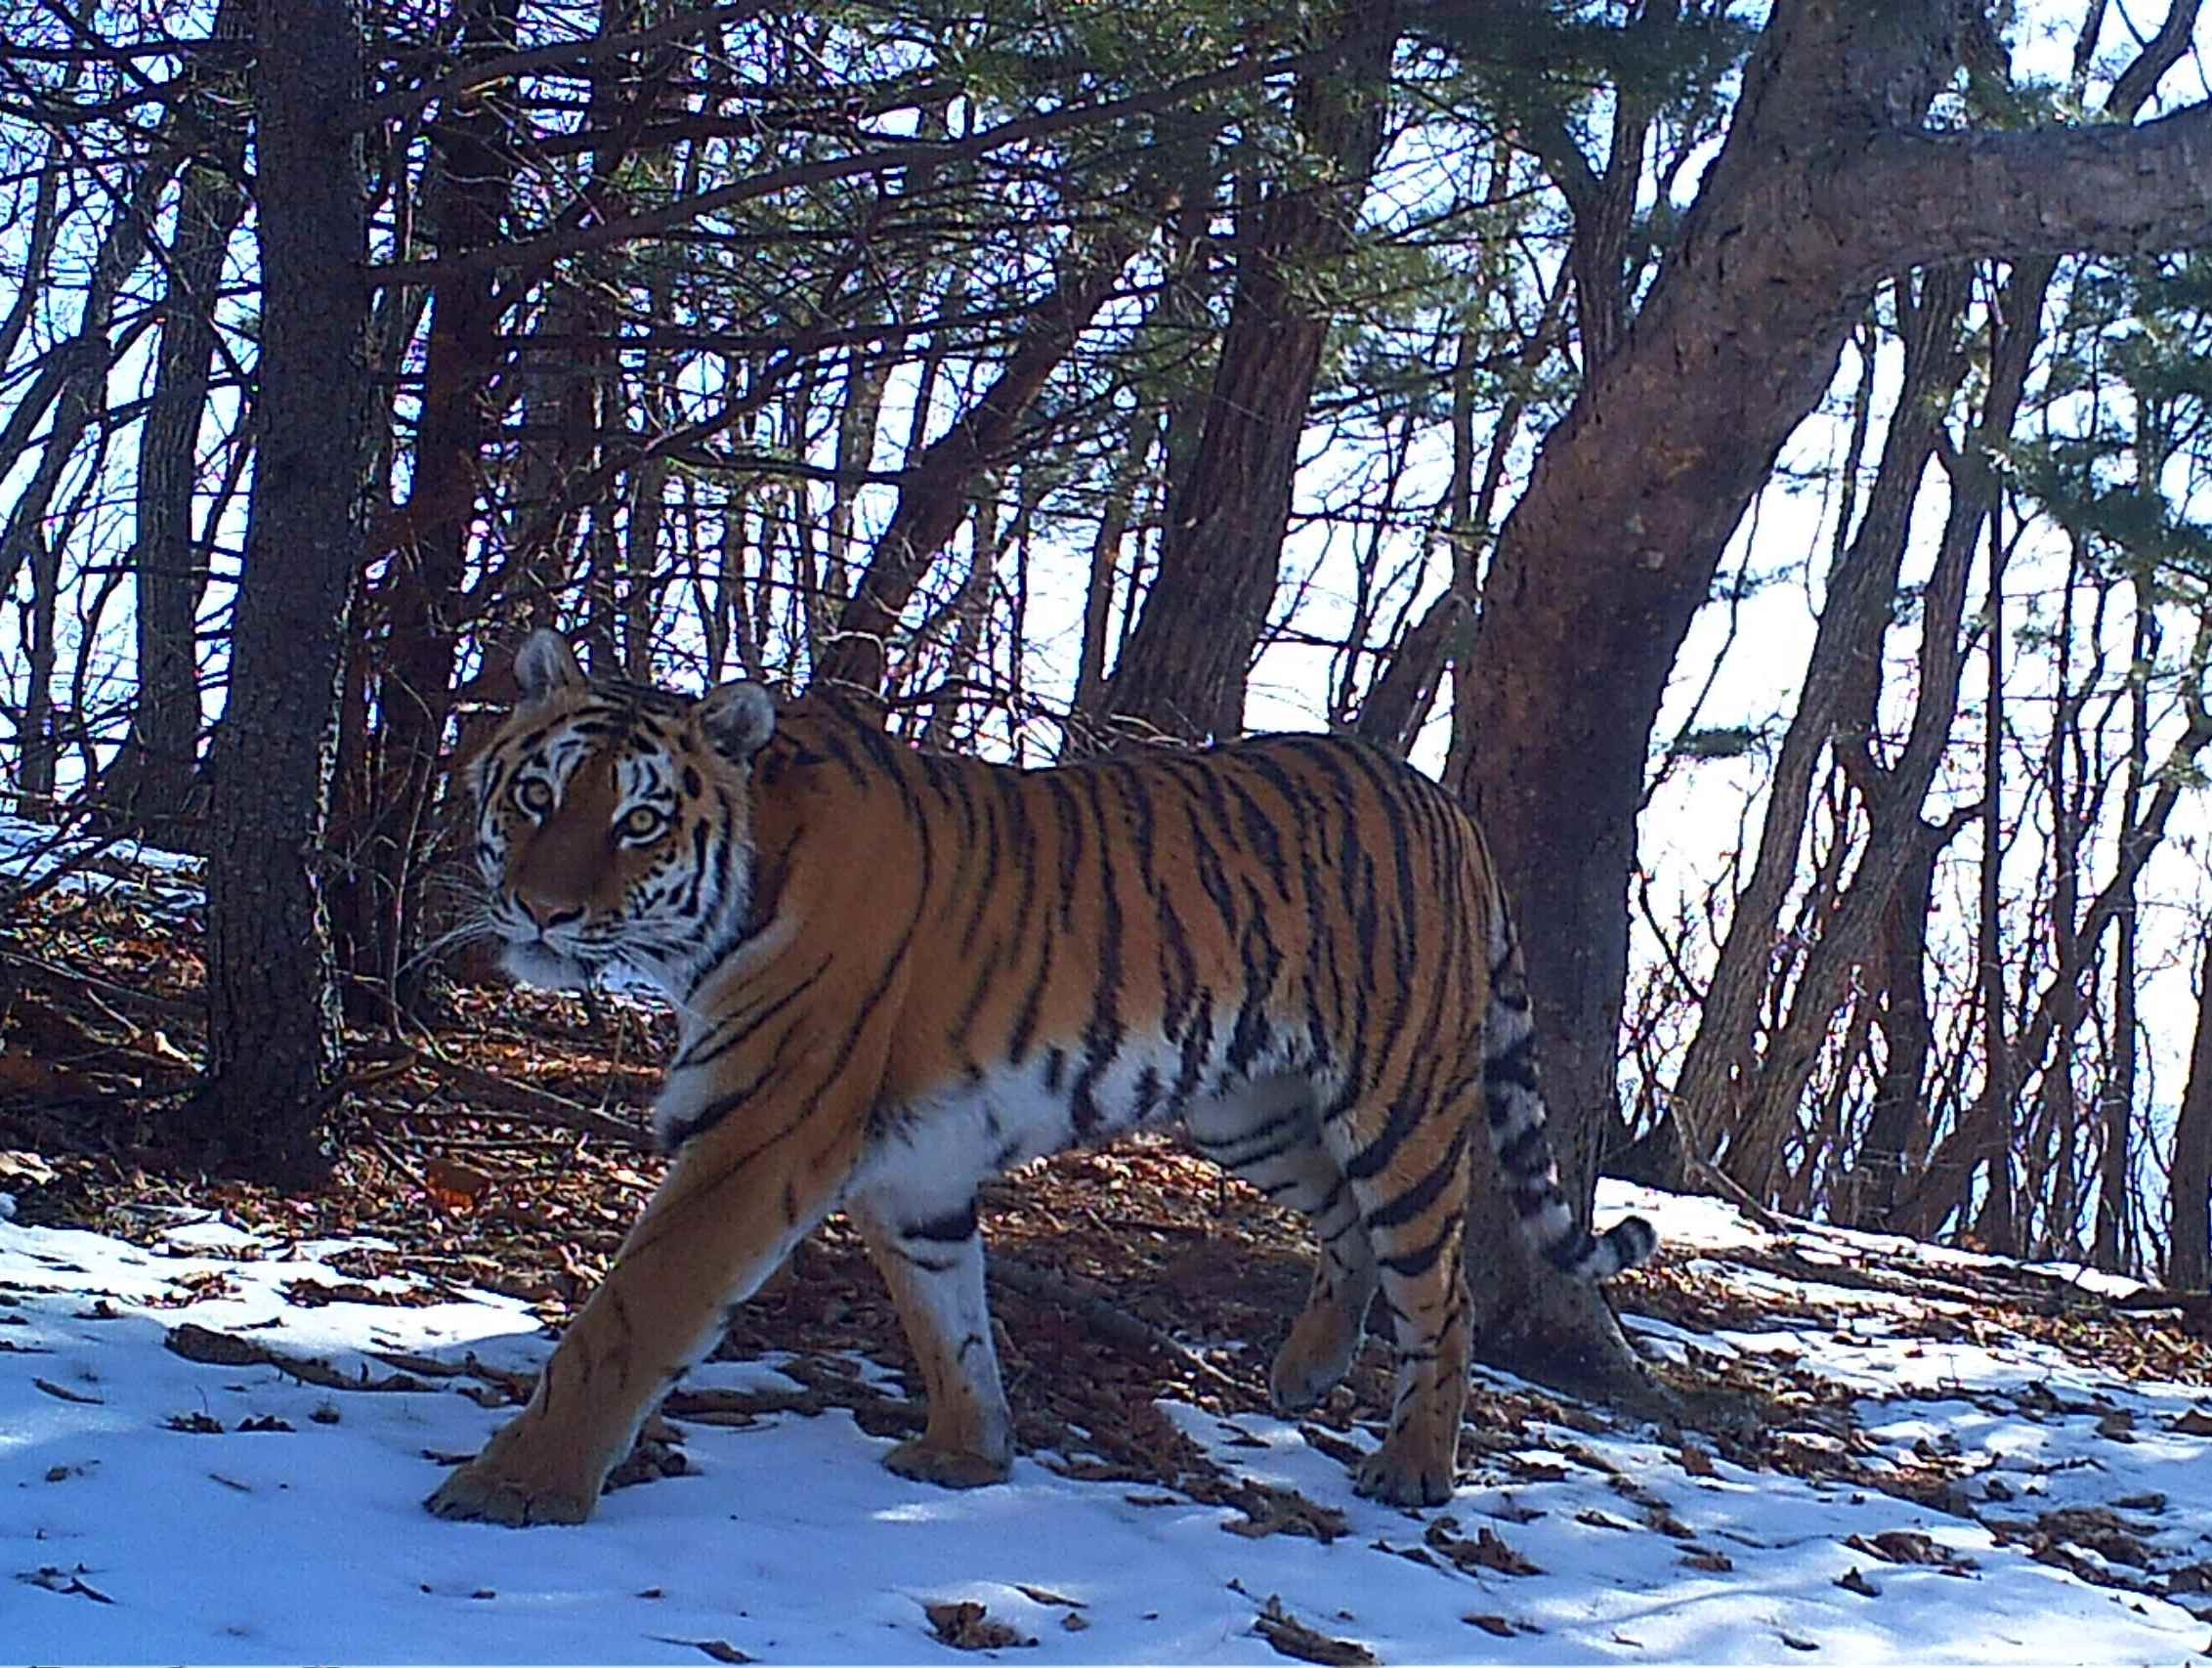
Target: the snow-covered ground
(154, 1507)
(160, 881)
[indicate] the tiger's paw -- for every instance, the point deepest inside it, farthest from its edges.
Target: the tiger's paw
(946, 1467)
(1394, 1474)
(481, 1494)
(1301, 1379)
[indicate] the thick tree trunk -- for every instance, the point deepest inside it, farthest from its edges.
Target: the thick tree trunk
(273, 1038)
(1183, 670)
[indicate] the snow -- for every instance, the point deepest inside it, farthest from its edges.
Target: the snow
(162, 882)
(126, 1539)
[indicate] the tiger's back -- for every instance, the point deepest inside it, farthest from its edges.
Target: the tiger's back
(914, 971)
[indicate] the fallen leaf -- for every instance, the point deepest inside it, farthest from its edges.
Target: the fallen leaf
(720, 1649)
(966, 1626)
(1046, 1595)
(1854, 1582)
(70, 1583)
(1497, 1625)
(1292, 1637)
(1487, 1550)
(1598, 1519)
(62, 1392)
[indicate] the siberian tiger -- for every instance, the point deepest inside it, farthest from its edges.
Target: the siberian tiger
(899, 973)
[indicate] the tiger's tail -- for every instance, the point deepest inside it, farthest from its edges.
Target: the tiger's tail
(1517, 1116)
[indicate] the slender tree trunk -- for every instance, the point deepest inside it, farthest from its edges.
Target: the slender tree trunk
(2190, 1180)
(156, 774)
(1855, 620)
(467, 199)
(1994, 1221)
(272, 1039)
(1184, 668)
(1897, 1132)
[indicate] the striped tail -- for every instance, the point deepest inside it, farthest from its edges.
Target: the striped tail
(1515, 1102)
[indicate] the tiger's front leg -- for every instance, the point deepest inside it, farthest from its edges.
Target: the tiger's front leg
(737, 1201)
(932, 1261)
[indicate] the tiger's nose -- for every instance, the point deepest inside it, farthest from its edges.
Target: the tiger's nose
(547, 916)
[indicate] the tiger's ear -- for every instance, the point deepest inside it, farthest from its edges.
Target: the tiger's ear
(736, 719)
(545, 664)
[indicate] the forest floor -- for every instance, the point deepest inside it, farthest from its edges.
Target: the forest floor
(220, 1407)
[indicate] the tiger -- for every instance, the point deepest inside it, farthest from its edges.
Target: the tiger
(898, 973)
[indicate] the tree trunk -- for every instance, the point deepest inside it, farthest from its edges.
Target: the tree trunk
(273, 1038)
(1896, 1131)
(934, 490)
(1853, 622)
(1184, 668)
(2190, 1180)
(154, 778)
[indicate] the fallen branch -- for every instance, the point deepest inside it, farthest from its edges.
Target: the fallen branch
(1107, 1319)
(526, 1102)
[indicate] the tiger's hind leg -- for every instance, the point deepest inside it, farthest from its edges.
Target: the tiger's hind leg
(1270, 1136)
(934, 1264)
(1409, 1180)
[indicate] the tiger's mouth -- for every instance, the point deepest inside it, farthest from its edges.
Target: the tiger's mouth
(535, 961)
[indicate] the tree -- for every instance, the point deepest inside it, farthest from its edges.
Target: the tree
(272, 1039)
(1827, 180)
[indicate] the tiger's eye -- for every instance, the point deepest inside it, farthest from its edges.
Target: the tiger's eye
(534, 796)
(640, 823)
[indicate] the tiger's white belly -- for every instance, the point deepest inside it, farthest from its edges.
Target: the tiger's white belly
(933, 1151)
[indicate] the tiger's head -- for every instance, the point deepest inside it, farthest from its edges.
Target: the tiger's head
(614, 822)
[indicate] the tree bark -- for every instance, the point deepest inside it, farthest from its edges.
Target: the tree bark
(421, 605)
(273, 1038)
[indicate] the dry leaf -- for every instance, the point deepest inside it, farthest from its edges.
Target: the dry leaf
(720, 1649)
(1497, 1625)
(62, 1392)
(1487, 1550)
(1292, 1637)
(966, 1626)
